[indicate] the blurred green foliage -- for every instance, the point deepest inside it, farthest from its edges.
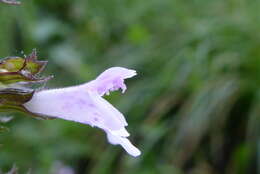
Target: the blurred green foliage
(193, 108)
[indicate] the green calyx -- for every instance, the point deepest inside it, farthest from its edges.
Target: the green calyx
(17, 69)
(16, 74)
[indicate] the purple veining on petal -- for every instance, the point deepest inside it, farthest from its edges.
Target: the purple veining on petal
(84, 104)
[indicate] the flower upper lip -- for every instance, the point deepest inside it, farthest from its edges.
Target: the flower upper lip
(112, 79)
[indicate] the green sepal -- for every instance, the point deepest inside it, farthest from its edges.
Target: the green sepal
(17, 69)
(22, 109)
(15, 73)
(12, 99)
(15, 96)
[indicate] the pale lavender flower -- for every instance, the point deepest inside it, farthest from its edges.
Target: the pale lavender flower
(84, 104)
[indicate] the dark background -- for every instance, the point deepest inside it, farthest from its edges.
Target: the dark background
(193, 108)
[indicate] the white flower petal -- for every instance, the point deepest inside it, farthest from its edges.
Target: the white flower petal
(84, 104)
(125, 143)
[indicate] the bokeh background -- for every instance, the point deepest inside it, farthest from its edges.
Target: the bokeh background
(194, 107)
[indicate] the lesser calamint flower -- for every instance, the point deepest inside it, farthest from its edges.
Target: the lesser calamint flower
(84, 104)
